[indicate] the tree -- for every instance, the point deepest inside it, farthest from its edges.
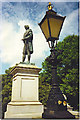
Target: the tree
(6, 90)
(67, 70)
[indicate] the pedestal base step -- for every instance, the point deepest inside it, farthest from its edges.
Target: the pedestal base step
(24, 110)
(32, 115)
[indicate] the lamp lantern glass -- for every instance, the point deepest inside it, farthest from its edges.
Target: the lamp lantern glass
(51, 25)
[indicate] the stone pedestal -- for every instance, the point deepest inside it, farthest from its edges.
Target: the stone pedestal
(25, 100)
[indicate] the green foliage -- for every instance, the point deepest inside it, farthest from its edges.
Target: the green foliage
(45, 82)
(67, 70)
(6, 89)
(44, 88)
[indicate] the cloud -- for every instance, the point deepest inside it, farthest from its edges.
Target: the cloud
(12, 46)
(40, 47)
(10, 43)
(70, 25)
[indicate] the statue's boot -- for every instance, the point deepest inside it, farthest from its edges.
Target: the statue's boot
(29, 56)
(23, 59)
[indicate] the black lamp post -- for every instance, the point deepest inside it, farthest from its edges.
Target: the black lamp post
(51, 26)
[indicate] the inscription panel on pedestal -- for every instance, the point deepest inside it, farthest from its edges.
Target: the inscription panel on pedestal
(28, 89)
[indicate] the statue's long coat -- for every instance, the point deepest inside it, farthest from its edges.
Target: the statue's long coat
(28, 45)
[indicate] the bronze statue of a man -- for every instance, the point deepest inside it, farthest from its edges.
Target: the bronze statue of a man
(28, 45)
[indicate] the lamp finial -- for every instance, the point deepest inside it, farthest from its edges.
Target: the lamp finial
(50, 6)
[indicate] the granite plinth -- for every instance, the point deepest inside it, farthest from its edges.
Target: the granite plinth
(25, 99)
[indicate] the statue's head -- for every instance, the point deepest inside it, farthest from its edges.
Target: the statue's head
(26, 27)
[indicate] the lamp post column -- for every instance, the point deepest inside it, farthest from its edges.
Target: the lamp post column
(55, 94)
(56, 104)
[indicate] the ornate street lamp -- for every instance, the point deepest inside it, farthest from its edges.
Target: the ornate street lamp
(51, 26)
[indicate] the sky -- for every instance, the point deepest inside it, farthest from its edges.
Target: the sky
(14, 15)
